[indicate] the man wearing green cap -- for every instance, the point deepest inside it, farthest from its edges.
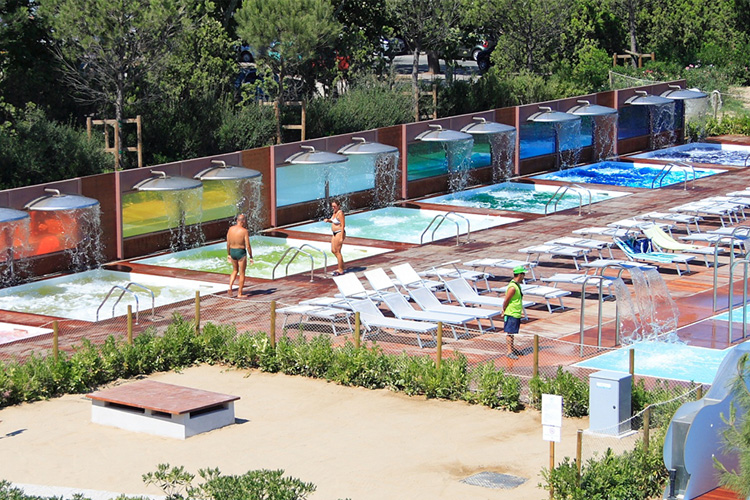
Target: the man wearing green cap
(513, 308)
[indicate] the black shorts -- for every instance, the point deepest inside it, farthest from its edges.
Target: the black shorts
(237, 253)
(511, 324)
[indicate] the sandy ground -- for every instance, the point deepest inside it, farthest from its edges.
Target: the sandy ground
(350, 442)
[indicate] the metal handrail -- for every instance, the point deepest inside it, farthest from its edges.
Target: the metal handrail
(586, 190)
(325, 259)
(663, 174)
(746, 262)
(747, 159)
(115, 287)
(298, 251)
(732, 240)
(601, 301)
(153, 299)
(692, 170)
(442, 218)
(558, 195)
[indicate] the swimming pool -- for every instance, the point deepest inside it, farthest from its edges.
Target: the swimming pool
(267, 251)
(520, 197)
(703, 152)
(736, 315)
(407, 224)
(674, 361)
(620, 173)
(77, 296)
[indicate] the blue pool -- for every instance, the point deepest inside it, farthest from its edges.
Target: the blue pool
(620, 173)
(521, 197)
(736, 315)
(701, 152)
(406, 225)
(674, 361)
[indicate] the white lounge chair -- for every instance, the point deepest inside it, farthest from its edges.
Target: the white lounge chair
(372, 319)
(592, 280)
(401, 308)
(501, 264)
(725, 212)
(428, 302)
(323, 313)
(444, 272)
(686, 219)
(555, 251)
(634, 225)
(407, 277)
(351, 288)
(380, 281)
(547, 293)
(588, 243)
(659, 257)
(612, 232)
(466, 295)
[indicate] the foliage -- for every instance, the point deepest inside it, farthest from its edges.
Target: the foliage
(263, 484)
(739, 125)
(574, 391)
(633, 475)
(368, 104)
(736, 432)
(494, 388)
(34, 150)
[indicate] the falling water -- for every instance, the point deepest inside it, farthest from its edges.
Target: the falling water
(630, 324)
(458, 155)
(184, 214)
(387, 185)
(250, 203)
(75, 232)
(697, 114)
(14, 236)
(604, 134)
(654, 309)
(662, 125)
(502, 151)
(569, 147)
(334, 177)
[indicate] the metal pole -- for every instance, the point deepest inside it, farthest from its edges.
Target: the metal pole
(536, 355)
(130, 325)
(273, 324)
(357, 327)
(617, 322)
(439, 354)
(197, 312)
(55, 339)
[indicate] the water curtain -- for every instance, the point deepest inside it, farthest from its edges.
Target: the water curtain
(603, 122)
(14, 246)
(378, 162)
(567, 132)
(651, 314)
(501, 140)
(661, 117)
(458, 147)
(330, 171)
(229, 190)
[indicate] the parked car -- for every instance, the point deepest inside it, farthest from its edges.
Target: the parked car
(392, 46)
(483, 59)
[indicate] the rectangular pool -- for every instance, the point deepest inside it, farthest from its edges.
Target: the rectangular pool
(620, 173)
(267, 251)
(406, 225)
(703, 152)
(664, 360)
(78, 296)
(521, 197)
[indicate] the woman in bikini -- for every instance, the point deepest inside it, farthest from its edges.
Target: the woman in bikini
(339, 232)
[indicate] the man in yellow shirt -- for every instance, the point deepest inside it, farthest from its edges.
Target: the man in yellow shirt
(513, 309)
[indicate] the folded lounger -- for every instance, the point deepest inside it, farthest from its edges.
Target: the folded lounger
(663, 242)
(407, 277)
(372, 319)
(547, 293)
(658, 257)
(351, 288)
(466, 295)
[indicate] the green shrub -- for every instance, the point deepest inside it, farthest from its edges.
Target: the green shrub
(363, 367)
(494, 388)
(574, 391)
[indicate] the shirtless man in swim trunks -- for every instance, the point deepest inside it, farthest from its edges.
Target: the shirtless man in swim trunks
(238, 252)
(338, 228)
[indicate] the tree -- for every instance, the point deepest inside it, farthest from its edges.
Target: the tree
(424, 24)
(109, 46)
(286, 34)
(736, 435)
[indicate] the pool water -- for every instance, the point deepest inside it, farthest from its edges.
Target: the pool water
(700, 152)
(736, 315)
(521, 197)
(78, 296)
(674, 361)
(406, 225)
(616, 173)
(266, 253)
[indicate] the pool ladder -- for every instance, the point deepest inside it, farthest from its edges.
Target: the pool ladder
(747, 160)
(298, 250)
(123, 290)
(739, 236)
(668, 168)
(560, 192)
(440, 218)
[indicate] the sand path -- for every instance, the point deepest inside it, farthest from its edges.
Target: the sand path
(350, 442)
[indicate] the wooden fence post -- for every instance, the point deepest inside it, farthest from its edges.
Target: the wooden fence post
(130, 325)
(439, 354)
(197, 312)
(55, 339)
(535, 372)
(357, 327)
(273, 324)
(579, 453)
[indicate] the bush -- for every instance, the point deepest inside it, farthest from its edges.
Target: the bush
(494, 388)
(575, 392)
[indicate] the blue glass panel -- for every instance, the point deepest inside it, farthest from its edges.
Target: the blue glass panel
(633, 121)
(537, 139)
(358, 174)
(299, 183)
(425, 159)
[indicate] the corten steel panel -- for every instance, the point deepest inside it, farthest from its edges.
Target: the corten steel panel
(537, 164)
(260, 159)
(102, 187)
(634, 144)
(431, 185)
(137, 246)
(506, 116)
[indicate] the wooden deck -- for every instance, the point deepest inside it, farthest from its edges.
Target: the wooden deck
(720, 494)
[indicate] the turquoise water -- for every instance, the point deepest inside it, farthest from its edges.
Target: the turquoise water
(707, 153)
(520, 197)
(664, 360)
(736, 314)
(616, 173)
(406, 224)
(77, 296)
(266, 252)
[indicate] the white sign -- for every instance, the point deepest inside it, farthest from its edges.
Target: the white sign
(551, 417)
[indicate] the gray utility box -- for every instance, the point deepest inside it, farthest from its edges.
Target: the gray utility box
(609, 402)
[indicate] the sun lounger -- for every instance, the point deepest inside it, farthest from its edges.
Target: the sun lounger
(336, 302)
(466, 295)
(401, 308)
(407, 278)
(501, 264)
(721, 210)
(587, 243)
(663, 242)
(612, 232)
(579, 280)
(637, 225)
(324, 313)
(547, 293)
(372, 319)
(678, 218)
(351, 288)
(659, 257)
(380, 281)
(602, 264)
(445, 272)
(428, 302)
(555, 251)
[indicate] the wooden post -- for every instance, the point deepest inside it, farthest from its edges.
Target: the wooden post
(579, 452)
(277, 114)
(273, 324)
(640, 60)
(357, 326)
(197, 312)
(303, 121)
(117, 146)
(139, 146)
(632, 363)
(614, 60)
(434, 99)
(551, 466)
(130, 325)
(55, 339)
(646, 425)
(699, 392)
(439, 354)
(535, 372)
(89, 126)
